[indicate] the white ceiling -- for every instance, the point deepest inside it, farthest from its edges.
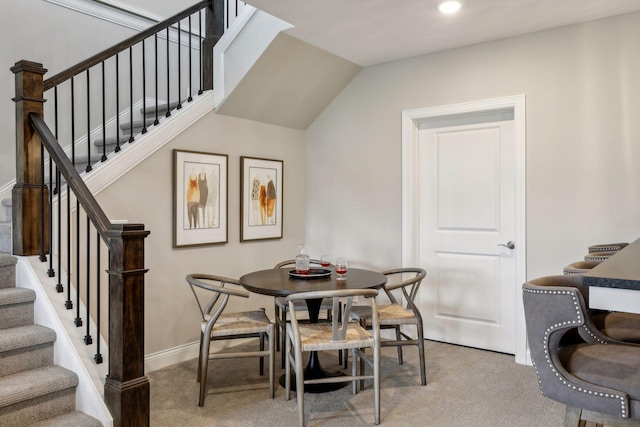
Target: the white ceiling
(368, 32)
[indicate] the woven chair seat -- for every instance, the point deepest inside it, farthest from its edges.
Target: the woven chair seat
(391, 314)
(247, 322)
(317, 337)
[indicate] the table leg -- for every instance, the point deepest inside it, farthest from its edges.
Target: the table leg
(314, 369)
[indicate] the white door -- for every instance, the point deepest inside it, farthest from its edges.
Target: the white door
(466, 221)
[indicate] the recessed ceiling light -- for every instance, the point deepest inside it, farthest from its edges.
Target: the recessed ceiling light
(449, 7)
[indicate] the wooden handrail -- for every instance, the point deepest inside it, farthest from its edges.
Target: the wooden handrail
(117, 48)
(80, 189)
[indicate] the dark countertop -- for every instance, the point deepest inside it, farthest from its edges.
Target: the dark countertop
(621, 270)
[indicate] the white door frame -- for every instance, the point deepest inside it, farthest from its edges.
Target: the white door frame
(410, 191)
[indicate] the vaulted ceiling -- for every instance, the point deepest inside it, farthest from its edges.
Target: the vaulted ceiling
(368, 32)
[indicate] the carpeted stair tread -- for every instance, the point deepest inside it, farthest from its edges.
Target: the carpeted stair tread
(35, 383)
(25, 336)
(70, 419)
(136, 124)
(10, 296)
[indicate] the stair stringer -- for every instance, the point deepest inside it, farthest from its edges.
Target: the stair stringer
(31, 274)
(147, 144)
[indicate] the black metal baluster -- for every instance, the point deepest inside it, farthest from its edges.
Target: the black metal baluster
(89, 168)
(117, 103)
(179, 71)
(78, 320)
(104, 119)
(227, 15)
(200, 49)
(144, 91)
(131, 93)
(87, 338)
(168, 85)
(69, 303)
(98, 356)
(190, 98)
(155, 37)
(59, 287)
(53, 188)
(43, 256)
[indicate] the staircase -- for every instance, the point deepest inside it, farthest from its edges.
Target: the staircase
(33, 390)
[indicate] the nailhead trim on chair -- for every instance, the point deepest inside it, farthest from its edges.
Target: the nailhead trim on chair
(623, 408)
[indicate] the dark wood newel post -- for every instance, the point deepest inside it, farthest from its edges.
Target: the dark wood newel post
(27, 194)
(126, 391)
(214, 29)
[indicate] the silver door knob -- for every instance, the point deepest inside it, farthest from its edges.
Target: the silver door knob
(509, 245)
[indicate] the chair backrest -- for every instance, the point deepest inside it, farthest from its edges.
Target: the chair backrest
(338, 322)
(552, 306)
(215, 285)
(589, 332)
(409, 283)
(292, 263)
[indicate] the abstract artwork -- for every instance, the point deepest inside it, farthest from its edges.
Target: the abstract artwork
(199, 198)
(261, 198)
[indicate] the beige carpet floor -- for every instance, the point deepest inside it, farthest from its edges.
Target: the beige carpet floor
(465, 387)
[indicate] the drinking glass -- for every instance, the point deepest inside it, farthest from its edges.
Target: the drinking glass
(325, 261)
(341, 268)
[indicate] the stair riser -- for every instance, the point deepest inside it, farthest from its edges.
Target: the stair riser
(8, 277)
(33, 410)
(24, 359)
(14, 315)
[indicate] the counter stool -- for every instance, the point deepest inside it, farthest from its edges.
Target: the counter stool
(595, 256)
(597, 381)
(580, 267)
(607, 247)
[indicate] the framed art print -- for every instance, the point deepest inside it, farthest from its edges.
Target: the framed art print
(199, 198)
(261, 182)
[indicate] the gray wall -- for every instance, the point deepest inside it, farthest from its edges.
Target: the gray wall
(583, 141)
(57, 37)
(145, 195)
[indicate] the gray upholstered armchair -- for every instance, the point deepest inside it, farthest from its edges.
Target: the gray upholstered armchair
(599, 381)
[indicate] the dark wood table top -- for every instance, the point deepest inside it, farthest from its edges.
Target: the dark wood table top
(621, 270)
(277, 282)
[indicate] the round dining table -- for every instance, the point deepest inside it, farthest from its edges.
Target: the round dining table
(277, 282)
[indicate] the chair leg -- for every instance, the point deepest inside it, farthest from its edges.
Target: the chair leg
(261, 357)
(376, 383)
(287, 372)
(421, 356)
(200, 356)
(272, 362)
(572, 417)
(283, 338)
(361, 364)
(276, 311)
(329, 314)
(204, 358)
(354, 383)
(300, 387)
(398, 338)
